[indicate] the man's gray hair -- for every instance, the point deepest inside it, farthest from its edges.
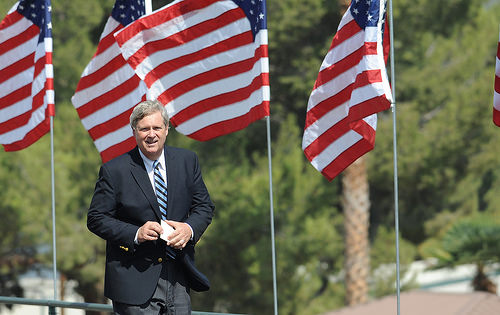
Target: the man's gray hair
(147, 108)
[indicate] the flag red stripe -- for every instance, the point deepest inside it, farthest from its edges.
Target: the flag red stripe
(341, 127)
(117, 149)
(368, 107)
(232, 125)
(171, 65)
(15, 122)
(496, 117)
(370, 48)
(347, 157)
(32, 136)
(497, 84)
(111, 125)
(326, 138)
(16, 68)
(107, 41)
(338, 68)
(101, 74)
(346, 32)
(367, 77)
(15, 96)
(327, 105)
(49, 84)
(103, 100)
(22, 119)
(29, 33)
(39, 66)
(10, 19)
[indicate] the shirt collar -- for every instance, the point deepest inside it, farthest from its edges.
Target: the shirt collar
(149, 163)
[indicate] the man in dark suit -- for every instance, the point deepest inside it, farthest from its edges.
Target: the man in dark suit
(144, 273)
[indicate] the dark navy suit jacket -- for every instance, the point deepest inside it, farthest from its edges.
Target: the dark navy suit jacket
(124, 200)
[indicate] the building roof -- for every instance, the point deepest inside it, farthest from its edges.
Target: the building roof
(428, 303)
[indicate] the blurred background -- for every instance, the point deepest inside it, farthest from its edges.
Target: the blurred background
(448, 159)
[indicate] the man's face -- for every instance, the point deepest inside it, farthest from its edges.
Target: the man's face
(150, 135)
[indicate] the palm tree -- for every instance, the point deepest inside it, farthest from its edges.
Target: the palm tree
(474, 240)
(356, 204)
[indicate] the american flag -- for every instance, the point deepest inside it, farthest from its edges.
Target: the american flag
(109, 89)
(496, 92)
(351, 87)
(206, 61)
(26, 74)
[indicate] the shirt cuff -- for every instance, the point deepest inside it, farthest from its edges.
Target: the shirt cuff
(136, 242)
(192, 232)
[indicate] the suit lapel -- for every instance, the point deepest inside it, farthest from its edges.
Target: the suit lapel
(139, 173)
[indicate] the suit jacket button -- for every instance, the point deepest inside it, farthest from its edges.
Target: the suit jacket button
(160, 260)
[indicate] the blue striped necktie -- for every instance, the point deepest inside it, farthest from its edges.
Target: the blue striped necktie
(161, 196)
(160, 189)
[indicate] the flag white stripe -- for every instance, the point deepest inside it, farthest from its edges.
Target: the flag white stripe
(19, 133)
(18, 53)
(339, 83)
(113, 138)
(337, 147)
(324, 123)
(345, 19)
(497, 67)
(344, 142)
(225, 112)
(365, 93)
(343, 50)
(15, 29)
(15, 109)
(102, 58)
(496, 100)
(116, 78)
(111, 110)
(16, 82)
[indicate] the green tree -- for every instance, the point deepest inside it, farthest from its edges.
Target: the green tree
(445, 132)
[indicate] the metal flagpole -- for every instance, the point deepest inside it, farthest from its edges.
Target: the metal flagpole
(265, 68)
(395, 157)
(50, 99)
(271, 207)
(54, 251)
